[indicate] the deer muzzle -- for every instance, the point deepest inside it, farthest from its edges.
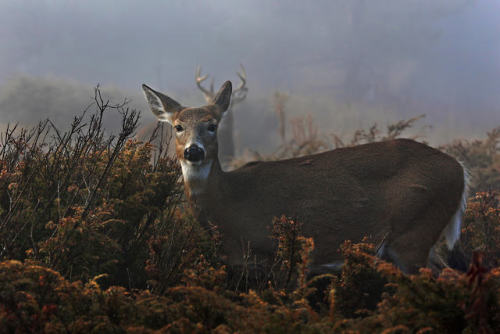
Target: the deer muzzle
(194, 153)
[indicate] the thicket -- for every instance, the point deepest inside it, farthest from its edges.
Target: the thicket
(95, 237)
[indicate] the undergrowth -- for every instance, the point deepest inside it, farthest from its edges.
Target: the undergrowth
(95, 237)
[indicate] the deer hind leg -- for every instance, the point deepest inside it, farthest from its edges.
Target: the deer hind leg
(407, 255)
(411, 241)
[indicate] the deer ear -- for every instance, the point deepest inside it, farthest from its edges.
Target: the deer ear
(223, 97)
(161, 105)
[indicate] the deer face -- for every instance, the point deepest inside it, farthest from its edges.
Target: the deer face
(196, 135)
(195, 129)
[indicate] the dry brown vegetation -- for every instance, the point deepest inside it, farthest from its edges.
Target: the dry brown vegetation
(95, 237)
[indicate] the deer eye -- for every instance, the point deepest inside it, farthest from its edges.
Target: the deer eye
(212, 127)
(179, 128)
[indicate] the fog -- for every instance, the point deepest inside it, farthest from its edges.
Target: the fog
(348, 63)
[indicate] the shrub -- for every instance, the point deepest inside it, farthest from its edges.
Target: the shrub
(84, 202)
(95, 237)
(481, 229)
(482, 159)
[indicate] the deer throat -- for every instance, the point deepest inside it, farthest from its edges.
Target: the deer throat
(196, 178)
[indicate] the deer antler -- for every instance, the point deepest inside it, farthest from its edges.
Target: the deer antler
(208, 93)
(240, 92)
(238, 95)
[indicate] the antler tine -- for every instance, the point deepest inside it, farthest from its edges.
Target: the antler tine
(198, 77)
(243, 72)
(243, 78)
(209, 94)
(240, 93)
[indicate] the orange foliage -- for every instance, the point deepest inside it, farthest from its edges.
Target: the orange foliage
(94, 237)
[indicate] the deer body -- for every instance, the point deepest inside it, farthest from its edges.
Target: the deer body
(402, 193)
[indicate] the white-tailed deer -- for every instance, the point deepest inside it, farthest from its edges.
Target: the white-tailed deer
(403, 193)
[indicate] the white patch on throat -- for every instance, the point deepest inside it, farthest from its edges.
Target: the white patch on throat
(196, 175)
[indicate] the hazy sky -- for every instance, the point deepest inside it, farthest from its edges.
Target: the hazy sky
(413, 56)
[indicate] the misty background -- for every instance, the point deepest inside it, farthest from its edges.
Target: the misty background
(348, 63)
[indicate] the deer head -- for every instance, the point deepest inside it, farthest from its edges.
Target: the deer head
(195, 132)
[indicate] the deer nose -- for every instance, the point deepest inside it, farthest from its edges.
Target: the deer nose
(194, 153)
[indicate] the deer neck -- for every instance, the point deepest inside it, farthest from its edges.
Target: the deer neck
(201, 182)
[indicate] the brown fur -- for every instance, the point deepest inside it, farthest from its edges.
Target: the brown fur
(400, 190)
